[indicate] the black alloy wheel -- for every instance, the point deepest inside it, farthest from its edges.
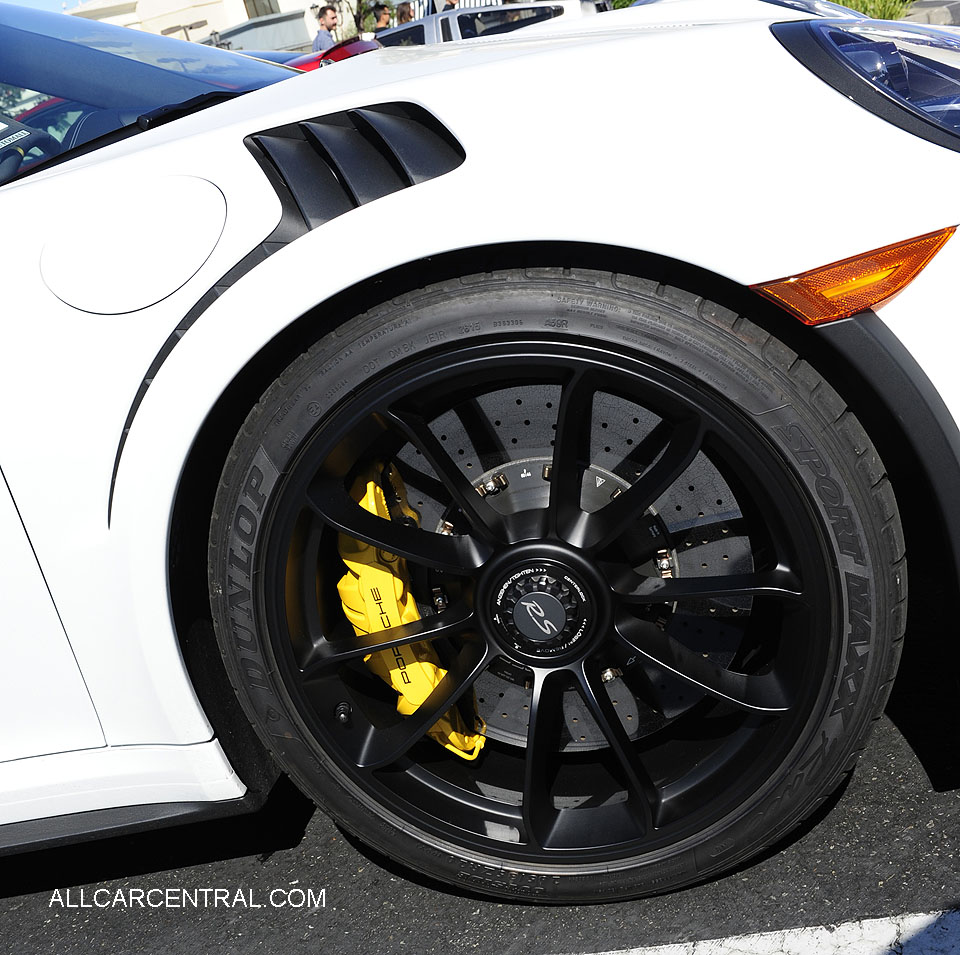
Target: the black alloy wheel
(621, 557)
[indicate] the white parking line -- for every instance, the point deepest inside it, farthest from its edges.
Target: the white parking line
(933, 933)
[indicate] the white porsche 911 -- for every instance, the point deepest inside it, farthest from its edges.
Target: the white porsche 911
(548, 529)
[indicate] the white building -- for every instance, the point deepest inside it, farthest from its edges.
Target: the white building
(244, 24)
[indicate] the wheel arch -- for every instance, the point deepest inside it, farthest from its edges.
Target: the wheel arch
(906, 419)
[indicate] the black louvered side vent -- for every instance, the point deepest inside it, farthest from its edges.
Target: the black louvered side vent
(329, 165)
(321, 168)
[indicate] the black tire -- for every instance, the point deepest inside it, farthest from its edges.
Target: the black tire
(685, 716)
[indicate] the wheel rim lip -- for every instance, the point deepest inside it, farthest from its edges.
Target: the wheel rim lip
(580, 859)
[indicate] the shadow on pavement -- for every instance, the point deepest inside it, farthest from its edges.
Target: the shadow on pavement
(939, 938)
(926, 694)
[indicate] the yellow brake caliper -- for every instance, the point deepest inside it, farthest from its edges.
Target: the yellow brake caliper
(375, 593)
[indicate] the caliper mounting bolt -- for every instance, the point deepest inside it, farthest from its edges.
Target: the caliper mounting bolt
(664, 564)
(494, 486)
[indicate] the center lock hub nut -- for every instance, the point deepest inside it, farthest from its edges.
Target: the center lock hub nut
(542, 610)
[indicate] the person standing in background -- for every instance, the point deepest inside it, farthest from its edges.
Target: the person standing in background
(327, 18)
(404, 13)
(381, 17)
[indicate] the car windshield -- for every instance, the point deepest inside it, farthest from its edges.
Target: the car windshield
(503, 20)
(408, 36)
(75, 80)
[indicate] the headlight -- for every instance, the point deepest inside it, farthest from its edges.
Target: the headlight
(908, 74)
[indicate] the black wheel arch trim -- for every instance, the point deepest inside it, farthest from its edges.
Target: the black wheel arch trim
(908, 420)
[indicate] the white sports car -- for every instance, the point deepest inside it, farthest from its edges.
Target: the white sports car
(548, 529)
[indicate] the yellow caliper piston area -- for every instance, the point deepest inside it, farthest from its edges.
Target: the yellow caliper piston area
(375, 593)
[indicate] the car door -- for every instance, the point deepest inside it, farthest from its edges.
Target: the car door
(44, 704)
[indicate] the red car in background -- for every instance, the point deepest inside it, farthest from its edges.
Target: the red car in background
(339, 51)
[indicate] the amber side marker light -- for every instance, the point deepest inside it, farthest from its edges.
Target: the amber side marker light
(864, 281)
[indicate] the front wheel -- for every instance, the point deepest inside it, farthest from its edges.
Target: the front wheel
(558, 585)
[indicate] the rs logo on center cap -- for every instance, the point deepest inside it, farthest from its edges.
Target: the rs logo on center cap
(536, 611)
(539, 616)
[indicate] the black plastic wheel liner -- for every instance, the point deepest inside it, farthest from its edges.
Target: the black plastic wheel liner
(637, 791)
(914, 430)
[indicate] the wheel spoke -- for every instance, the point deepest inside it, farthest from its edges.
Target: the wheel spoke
(598, 529)
(642, 793)
(330, 500)
(308, 564)
(476, 423)
(571, 449)
(383, 746)
(645, 453)
(761, 692)
(696, 533)
(483, 519)
(417, 479)
(543, 735)
(633, 588)
(452, 621)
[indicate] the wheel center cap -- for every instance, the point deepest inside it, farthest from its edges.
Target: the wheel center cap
(540, 616)
(542, 610)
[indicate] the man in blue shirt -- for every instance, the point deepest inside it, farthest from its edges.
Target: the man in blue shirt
(327, 18)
